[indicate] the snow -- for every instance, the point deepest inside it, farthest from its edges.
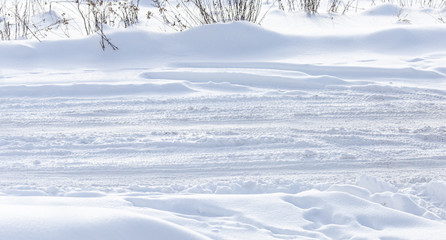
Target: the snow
(69, 222)
(328, 126)
(342, 211)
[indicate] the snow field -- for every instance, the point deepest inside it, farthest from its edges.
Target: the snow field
(368, 209)
(321, 127)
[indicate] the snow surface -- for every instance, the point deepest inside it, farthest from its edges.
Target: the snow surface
(307, 127)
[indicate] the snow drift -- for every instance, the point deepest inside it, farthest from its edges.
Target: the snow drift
(69, 222)
(238, 41)
(340, 212)
(229, 131)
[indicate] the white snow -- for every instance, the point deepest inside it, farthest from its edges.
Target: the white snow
(69, 222)
(340, 212)
(328, 126)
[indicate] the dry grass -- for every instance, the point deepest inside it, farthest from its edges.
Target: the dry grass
(181, 14)
(28, 19)
(36, 19)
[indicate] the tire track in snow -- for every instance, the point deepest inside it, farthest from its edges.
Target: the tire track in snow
(191, 137)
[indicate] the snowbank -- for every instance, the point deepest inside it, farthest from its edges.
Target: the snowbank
(31, 221)
(238, 41)
(341, 211)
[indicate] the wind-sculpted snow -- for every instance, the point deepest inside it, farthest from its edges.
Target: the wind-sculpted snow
(340, 212)
(92, 90)
(303, 129)
(225, 42)
(28, 221)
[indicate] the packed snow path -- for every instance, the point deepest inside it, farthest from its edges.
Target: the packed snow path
(190, 131)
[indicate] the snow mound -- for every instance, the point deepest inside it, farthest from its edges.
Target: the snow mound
(341, 215)
(61, 222)
(387, 9)
(247, 79)
(341, 211)
(46, 19)
(374, 185)
(238, 41)
(313, 214)
(437, 191)
(85, 90)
